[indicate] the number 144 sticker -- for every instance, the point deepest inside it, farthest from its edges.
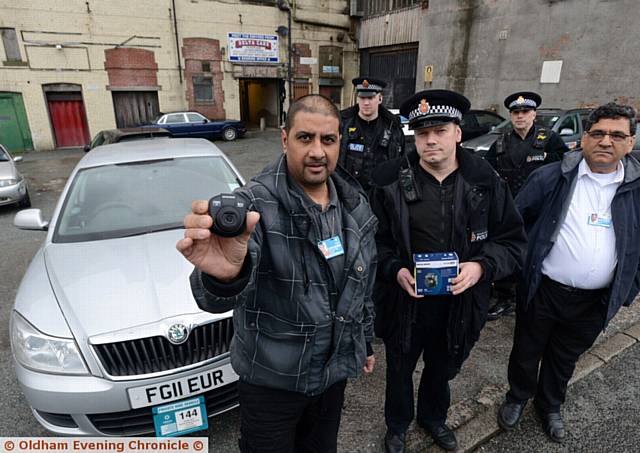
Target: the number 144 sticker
(179, 418)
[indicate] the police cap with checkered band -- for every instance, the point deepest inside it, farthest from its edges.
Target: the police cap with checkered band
(434, 107)
(367, 87)
(522, 100)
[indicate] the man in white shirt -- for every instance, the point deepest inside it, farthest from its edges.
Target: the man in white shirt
(582, 264)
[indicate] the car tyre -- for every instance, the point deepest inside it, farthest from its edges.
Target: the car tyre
(229, 133)
(25, 202)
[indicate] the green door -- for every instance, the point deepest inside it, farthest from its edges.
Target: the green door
(14, 128)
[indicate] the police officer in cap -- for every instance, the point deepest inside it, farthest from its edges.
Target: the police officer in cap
(440, 198)
(370, 133)
(514, 156)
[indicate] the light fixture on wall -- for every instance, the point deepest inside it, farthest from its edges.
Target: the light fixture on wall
(59, 46)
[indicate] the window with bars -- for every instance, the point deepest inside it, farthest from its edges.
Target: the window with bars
(203, 89)
(375, 7)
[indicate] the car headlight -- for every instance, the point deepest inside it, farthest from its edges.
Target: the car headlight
(36, 350)
(8, 182)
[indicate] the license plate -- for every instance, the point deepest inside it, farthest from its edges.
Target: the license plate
(176, 419)
(177, 389)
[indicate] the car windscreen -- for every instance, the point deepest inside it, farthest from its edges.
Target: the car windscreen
(4, 157)
(547, 120)
(128, 199)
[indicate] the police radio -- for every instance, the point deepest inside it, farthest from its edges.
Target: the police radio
(386, 136)
(407, 181)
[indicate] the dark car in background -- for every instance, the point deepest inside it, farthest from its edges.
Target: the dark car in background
(194, 125)
(109, 136)
(569, 124)
(478, 122)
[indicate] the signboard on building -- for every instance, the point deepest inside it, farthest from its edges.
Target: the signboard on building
(250, 48)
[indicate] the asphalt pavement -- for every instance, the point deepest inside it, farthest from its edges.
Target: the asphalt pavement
(475, 392)
(601, 414)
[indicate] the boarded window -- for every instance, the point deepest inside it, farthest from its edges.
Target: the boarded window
(330, 61)
(203, 89)
(300, 89)
(10, 41)
(332, 93)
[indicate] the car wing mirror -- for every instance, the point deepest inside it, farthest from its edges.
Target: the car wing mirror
(30, 219)
(17, 159)
(566, 131)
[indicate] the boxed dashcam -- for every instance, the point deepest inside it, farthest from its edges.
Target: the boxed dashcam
(433, 272)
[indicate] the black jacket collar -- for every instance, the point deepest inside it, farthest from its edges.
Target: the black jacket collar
(473, 169)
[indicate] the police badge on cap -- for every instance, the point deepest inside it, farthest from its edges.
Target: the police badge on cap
(522, 100)
(367, 87)
(433, 107)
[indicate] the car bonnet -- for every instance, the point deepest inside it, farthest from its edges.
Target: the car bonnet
(110, 285)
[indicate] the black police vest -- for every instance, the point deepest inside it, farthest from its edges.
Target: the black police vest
(517, 159)
(367, 148)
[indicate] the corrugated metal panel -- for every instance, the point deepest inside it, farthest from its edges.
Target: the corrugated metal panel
(69, 122)
(403, 27)
(398, 68)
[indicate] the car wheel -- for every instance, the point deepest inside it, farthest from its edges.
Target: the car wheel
(229, 133)
(25, 202)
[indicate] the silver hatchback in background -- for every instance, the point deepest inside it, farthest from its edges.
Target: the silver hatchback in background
(13, 186)
(105, 327)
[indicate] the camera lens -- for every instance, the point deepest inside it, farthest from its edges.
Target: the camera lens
(228, 221)
(229, 218)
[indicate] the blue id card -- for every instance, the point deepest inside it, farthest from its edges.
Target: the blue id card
(331, 247)
(600, 220)
(358, 147)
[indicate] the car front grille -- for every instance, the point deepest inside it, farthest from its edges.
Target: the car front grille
(140, 421)
(156, 354)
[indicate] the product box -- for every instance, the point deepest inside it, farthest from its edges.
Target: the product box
(434, 271)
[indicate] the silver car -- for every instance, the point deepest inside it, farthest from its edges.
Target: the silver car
(13, 186)
(104, 327)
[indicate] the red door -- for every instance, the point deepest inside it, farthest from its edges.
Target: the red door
(69, 122)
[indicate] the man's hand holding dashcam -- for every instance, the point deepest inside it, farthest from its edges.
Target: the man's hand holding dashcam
(220, 257)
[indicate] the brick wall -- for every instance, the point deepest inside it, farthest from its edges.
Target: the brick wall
(130, 67)
(301, 50)
(195, 52)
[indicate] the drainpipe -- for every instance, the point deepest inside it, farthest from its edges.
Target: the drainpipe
(283, 5)
(175, 29)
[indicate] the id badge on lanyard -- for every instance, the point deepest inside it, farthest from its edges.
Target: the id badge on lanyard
(600, 220)
(330, 248)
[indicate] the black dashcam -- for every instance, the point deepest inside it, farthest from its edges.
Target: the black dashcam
(229, 214)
